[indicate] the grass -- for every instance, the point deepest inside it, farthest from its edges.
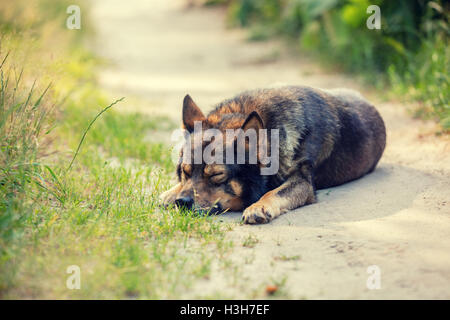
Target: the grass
(102, 216)
(287, 258)
(101, 212)
(89, 126)
(110, 225)
(250, 241)
(427, 81)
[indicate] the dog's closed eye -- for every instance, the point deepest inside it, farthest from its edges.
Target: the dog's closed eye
(218, 177)
(216, 174)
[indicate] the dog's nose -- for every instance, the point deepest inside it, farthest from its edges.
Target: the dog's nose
(186, 202)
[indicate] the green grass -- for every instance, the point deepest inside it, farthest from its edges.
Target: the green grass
(287, 258)
(104, 217)
(22, 136)
(123, 136)
(109, 224)
(250, 241)
(102, 214)
(427, 81)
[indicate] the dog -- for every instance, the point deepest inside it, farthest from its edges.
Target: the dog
(325, 138)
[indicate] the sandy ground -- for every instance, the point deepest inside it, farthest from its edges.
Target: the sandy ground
(397, 218)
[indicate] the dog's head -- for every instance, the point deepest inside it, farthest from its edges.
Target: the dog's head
(219, 182)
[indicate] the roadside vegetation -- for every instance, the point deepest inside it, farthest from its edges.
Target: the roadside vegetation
(102, 213)
(409, 55)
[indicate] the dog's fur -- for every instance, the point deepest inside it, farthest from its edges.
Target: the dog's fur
(326, 138)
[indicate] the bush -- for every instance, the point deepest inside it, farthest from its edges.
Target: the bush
(410, 53)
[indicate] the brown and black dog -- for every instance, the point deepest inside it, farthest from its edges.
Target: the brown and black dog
(325, 138)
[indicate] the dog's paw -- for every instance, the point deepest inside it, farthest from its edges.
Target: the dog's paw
(259, 213)
(167, 198)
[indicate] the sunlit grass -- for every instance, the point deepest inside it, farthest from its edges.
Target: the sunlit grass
(109, 223)
(102, 214)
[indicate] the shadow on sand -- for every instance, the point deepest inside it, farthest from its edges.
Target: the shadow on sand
(384, 192)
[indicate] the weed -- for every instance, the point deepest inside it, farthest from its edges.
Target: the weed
(250, 241)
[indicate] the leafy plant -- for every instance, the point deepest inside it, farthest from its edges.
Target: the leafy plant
(410, 53)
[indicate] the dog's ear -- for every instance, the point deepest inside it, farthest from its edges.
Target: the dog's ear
(191, 113)
(254, 122)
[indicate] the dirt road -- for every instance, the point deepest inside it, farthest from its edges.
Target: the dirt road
(397, 218)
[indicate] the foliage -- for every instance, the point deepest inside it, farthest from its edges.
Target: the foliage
(410, 53)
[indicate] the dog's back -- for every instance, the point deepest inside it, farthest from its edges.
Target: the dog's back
(360, 146)
(336, 133)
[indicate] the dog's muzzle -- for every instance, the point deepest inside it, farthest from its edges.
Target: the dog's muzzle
(185, 202)
(188, 203)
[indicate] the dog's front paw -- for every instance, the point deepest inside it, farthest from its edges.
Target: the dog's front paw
(259, 213)
(167, 198)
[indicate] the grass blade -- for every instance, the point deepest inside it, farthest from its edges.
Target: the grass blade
(90, 125)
